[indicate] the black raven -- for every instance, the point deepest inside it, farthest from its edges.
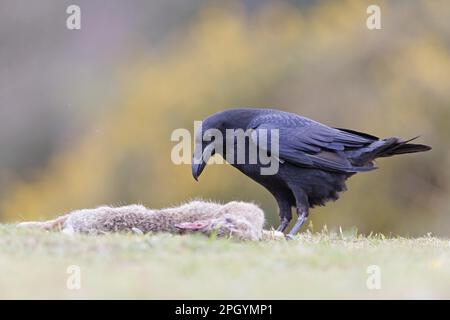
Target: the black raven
(314, 160)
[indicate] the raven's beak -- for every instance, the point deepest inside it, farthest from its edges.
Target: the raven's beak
(197, 169)
(199, 161)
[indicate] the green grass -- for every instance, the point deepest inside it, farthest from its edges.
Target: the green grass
(320, 265)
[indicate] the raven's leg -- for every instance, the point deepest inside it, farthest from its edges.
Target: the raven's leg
(302, 212)
(302, 216)
(285, 213)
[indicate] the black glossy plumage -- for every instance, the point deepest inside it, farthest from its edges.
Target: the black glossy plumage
(314, 159)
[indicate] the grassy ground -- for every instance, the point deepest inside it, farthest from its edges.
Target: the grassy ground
(321, 265)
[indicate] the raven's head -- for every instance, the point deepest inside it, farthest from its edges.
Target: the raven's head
(210, 137)
(208, 141)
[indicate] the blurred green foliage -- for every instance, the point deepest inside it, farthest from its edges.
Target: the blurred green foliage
(318, 60)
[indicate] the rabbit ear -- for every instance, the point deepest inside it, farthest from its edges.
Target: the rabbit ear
(192, 226)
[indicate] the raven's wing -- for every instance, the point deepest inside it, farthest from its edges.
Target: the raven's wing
(305, 142)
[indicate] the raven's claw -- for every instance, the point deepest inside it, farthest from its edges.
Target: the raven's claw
(289, 237)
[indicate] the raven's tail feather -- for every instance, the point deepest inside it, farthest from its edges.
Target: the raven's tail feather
(362, 158)
(401, 147)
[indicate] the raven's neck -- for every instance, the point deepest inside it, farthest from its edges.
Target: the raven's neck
(242, 117)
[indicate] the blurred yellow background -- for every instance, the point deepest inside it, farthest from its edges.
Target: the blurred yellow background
(86, 115)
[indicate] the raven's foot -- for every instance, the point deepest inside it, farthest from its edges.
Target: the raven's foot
(289, 237)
